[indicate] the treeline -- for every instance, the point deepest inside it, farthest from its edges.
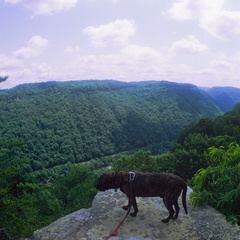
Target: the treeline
(61, 123)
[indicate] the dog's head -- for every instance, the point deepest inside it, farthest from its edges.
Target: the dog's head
(111, 181)
(102, 183)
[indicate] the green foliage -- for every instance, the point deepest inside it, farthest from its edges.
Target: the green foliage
(143, 161)
(191, 155)
(77, 189)
(218, 184)
(2, 79)
(26, 204)
(17, 215)
(75, 122)
(192, 144)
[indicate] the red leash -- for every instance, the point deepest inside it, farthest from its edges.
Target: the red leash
(115, 232)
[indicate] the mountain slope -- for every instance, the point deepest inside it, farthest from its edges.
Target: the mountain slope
(62, 122)
(225, 97)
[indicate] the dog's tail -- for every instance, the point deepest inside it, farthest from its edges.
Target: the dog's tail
(184, 197)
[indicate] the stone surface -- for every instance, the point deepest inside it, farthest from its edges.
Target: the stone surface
(101, 219)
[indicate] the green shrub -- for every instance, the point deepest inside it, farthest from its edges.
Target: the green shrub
(218, 185)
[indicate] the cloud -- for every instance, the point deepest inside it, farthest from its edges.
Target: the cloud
(7, 64)
(193, 9)
(17, 70)
(132, 62)
(144, 55)
(45, 7)
(72, 50)
(222, 65)
(222, 24)
(36, 46)
(113, 33)
(189, 45)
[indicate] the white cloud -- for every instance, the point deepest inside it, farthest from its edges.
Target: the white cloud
(45, 7)
(132, 62)
(113, 33)
(192, 9)
(222, 24)
(17, 70)
(189, 45)
(7, 64)
(36, 46)
(222, 65)
(72, 50)
(42, 71)
(141, 55)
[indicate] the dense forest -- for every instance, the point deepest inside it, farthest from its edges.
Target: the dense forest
(60, 123)
(55, 139)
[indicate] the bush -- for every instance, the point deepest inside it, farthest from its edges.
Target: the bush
(218, 185)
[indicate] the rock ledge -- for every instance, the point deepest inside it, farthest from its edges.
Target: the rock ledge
(100, 220)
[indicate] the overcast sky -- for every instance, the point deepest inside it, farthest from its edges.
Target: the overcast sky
(190, 41)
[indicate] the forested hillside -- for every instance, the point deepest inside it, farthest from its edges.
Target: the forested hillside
(72, 122)
(225, 97)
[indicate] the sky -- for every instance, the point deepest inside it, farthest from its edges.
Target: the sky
(185, 41)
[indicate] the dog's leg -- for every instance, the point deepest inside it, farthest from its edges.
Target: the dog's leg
(177, 208)
(175, 203)
(135, 207)
(169, 205)
(131, 202)
(125, 190)
(126, 207)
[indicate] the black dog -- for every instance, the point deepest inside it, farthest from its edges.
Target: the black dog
(137, 184)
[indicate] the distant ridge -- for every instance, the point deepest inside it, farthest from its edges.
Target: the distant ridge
(225, 97)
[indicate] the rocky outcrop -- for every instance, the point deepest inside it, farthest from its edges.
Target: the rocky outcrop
(100, 220)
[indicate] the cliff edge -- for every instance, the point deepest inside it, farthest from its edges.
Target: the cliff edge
(97, 222)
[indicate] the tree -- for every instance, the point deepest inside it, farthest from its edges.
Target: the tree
(2, 79)
(145, 162)
(218, 185)
(17, 216)
(75, 190)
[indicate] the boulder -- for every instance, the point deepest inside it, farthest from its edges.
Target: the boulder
(202, 223)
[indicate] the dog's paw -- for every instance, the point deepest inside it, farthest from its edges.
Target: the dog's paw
(133, 214)
(165, 220)
(125, 207)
